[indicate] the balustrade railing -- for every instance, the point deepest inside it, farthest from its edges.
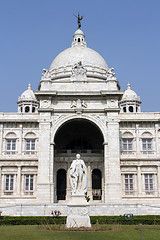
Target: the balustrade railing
(100, 151)
(97, 194)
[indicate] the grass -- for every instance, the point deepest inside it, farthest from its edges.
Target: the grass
(107, 232)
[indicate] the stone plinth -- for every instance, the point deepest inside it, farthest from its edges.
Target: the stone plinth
(78, 212)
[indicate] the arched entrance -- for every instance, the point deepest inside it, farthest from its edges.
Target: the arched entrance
(78, 136)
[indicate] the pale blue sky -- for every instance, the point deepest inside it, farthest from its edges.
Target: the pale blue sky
(125, 32)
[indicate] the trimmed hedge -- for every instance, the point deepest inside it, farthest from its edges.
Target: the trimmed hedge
(10, 220)
(143, 219)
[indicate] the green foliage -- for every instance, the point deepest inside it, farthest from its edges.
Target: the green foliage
(143, 219)
(10, 220)
(87, 198)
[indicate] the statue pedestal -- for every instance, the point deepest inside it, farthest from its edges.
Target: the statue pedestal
(78, 212)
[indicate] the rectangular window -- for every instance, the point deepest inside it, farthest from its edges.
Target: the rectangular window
(127, 144)
(9, 180)
(11, 146)
(148, 181)
(147, 145)
(30, 145)
(29, 182)
(128, 181)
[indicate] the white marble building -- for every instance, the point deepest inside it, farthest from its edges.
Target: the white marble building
(79, 108)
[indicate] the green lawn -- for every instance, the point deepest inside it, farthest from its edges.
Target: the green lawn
(107, 232)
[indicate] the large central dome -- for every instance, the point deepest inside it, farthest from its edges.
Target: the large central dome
(79, 68)
(75, 54)
(79, 52)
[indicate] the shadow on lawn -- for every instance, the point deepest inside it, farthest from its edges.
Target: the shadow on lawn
(45, 226)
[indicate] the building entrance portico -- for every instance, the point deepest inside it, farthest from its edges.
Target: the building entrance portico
(84, 137)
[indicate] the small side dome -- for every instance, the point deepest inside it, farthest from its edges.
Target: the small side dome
(130, 101)
(28, 94)
(130, 94)
(27, 102)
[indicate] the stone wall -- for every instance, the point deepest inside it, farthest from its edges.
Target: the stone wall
(95, 209)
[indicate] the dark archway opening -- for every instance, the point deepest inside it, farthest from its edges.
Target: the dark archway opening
(96, 184)
(124, 109)
(61, 184)
(33, 109)
(27, 109)
(130, 108)
(79, 136)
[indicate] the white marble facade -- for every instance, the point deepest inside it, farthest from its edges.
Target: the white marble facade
(79, 108)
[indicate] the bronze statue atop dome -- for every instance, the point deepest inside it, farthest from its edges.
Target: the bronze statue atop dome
(79, 20)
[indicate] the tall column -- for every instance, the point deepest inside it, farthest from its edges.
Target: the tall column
(106, 171)
(51, 171)
(2, 183)
(103, 185)
(89, 192)
(20, 140)
(68, 188)
(1, 138)
(156, 139)
(139, 181)
(137, 140)
(0, 180)
(43, 180)
(113, 192)
(19, 181)
(158, 176)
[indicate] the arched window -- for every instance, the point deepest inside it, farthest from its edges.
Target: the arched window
(10, 145)
(96, 184)
(30, 143)
(127, 142)
(147, 143)
(61, 184)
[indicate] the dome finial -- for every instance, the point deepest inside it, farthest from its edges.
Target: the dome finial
(128, 86)
(79, 20)
(29, 86)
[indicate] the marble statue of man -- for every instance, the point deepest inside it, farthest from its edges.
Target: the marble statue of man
(78, 176)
